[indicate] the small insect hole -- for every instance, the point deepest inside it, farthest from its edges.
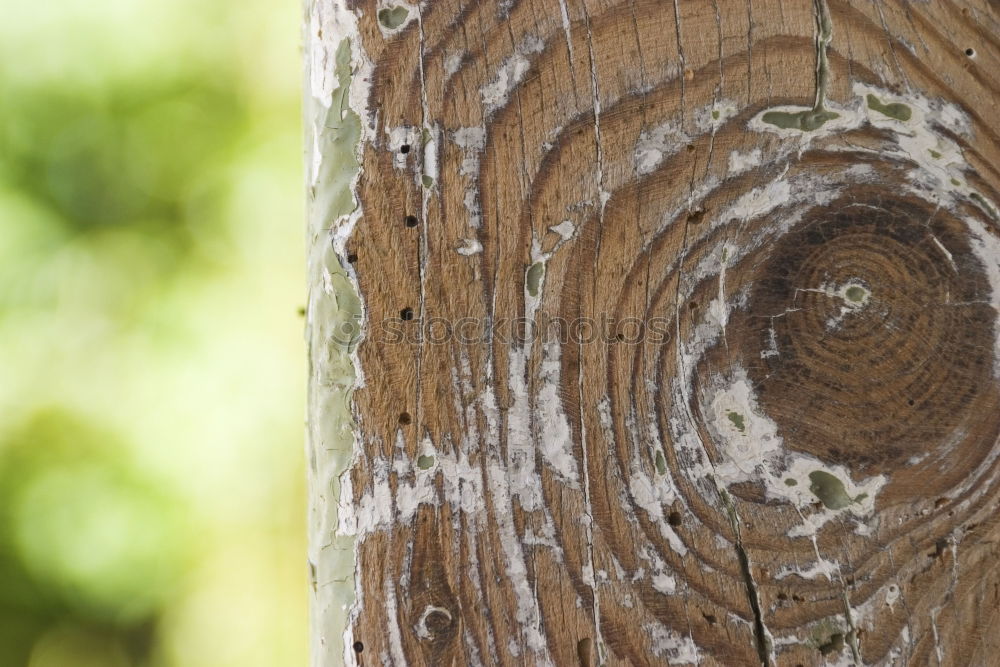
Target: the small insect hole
(690, 148)
(695, 216)
(709, 618)
(405, 418)
(910, 402)
(404, 149)
(406, 314)
(411, 221)
(358, 647)
(692, 305)
(351, 258)
(674, 519)
(971, 52)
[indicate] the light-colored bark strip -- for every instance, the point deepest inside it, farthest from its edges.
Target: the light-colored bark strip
(332, 113)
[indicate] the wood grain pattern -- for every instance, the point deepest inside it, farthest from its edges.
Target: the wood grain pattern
(776, 440)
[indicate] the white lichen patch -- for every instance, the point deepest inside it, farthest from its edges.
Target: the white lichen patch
(759, 201)
(850, 296)
(566, 229)
(676, 648)
(820, 568)
(916, 122)
(659, 573)
(651, 493)
(986, 247)
(470, 247)
(503, 489)
(740, 162)
(664, 583)
(656, 144)
(555, 436)
(452, 63)
(710, 118)
(750, 448)
(747, 439)
(496, 93)
(381, 506)
(666, 139)
(472, 142)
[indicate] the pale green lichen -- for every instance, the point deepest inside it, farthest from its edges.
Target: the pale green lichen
(425, 461)
(393, 17)
(830, 490)
(856, 294)
(896, 110)
(533, 279)
(985, 204)
(738, 420)
(661, 463)
(806, 120)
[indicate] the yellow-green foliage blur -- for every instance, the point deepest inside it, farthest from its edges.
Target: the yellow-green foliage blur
(151, 357)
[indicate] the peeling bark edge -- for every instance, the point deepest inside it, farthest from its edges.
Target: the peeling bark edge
(334, 103)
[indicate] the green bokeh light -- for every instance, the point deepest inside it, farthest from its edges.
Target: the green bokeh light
(151, 269)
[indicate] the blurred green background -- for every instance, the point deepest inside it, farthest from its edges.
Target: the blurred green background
(152, 375)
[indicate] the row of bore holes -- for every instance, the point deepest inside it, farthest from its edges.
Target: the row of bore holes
(406, 314)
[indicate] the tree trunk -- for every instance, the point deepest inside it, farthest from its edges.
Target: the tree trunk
(650, 332)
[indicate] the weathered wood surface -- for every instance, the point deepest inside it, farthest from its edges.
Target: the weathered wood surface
(792, 458)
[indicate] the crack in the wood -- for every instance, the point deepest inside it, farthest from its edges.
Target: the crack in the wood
(602, 201)
(760, 633)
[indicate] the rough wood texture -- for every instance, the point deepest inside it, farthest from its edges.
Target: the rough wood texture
(777, 443)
